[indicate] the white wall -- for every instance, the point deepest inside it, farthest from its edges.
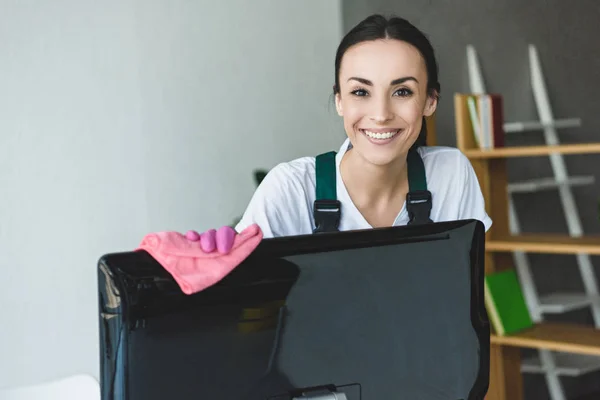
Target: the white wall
(121, 118)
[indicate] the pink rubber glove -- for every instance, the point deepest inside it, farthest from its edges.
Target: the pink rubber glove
(221, 239)
(193, 268)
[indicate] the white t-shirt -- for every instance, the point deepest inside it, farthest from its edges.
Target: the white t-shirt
(282, 205)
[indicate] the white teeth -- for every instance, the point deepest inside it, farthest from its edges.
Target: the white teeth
(381, 135)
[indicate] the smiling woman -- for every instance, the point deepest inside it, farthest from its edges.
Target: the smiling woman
(386, 83)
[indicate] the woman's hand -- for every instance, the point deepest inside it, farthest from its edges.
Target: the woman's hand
(211, 240)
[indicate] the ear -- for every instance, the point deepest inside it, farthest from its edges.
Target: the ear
(430, 106)
(338, 105)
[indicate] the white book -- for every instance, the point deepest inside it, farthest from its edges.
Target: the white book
(485, 105)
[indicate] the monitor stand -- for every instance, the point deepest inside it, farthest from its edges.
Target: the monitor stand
(329, 396)
(326, 392)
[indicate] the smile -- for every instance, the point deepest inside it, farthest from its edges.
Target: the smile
(380, 135)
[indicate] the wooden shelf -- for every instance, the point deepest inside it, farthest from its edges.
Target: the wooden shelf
(545, 243)
(579, 345)
(569, 338)
(530, 151)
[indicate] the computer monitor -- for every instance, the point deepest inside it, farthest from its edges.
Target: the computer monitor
(392, 313)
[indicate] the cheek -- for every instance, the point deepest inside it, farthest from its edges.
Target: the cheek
(353, 113)
(411, 112)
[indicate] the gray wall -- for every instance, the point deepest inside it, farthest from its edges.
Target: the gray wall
(566, 34)
(131, 118)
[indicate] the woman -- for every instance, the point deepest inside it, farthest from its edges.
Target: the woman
(386, 83)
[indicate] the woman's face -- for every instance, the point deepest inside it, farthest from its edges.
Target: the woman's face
(383, 98)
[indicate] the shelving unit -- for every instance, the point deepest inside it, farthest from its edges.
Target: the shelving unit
(564, 349)
(571, 338)
(549, 243)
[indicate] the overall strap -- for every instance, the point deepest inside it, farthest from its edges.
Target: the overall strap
(327, 208)
(418, 198)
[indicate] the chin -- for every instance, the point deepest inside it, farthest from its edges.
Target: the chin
(383, 162)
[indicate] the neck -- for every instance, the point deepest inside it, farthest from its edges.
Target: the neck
(370, 184)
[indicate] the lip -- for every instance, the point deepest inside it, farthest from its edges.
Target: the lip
(381, 142)
(379, 130)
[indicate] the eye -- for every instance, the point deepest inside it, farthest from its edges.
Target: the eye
(359, 92)
(404, 92)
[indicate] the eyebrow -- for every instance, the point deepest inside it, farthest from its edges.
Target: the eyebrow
(392, 83)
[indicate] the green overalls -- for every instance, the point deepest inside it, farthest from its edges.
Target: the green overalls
(328, 209)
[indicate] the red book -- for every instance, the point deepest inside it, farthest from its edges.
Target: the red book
(497, 120)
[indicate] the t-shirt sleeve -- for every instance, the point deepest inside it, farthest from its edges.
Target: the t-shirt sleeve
(274, 205)
(263, 208)
(472, 202)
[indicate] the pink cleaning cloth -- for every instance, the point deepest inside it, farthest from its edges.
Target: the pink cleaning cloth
(193, 269)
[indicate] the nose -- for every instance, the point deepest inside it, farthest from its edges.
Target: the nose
(381, 111)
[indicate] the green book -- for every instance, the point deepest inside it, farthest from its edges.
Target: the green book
(505, 303)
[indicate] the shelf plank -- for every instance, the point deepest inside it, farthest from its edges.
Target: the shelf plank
(568, 338)
(547, 243)
(532, 151)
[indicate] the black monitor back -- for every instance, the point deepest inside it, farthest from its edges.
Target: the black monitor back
(395, 313)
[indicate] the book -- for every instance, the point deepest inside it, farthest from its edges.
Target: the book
(471, 101)
(505, 303)
(484, 115)
(467, 121)
(496, 120)
(484, 120)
